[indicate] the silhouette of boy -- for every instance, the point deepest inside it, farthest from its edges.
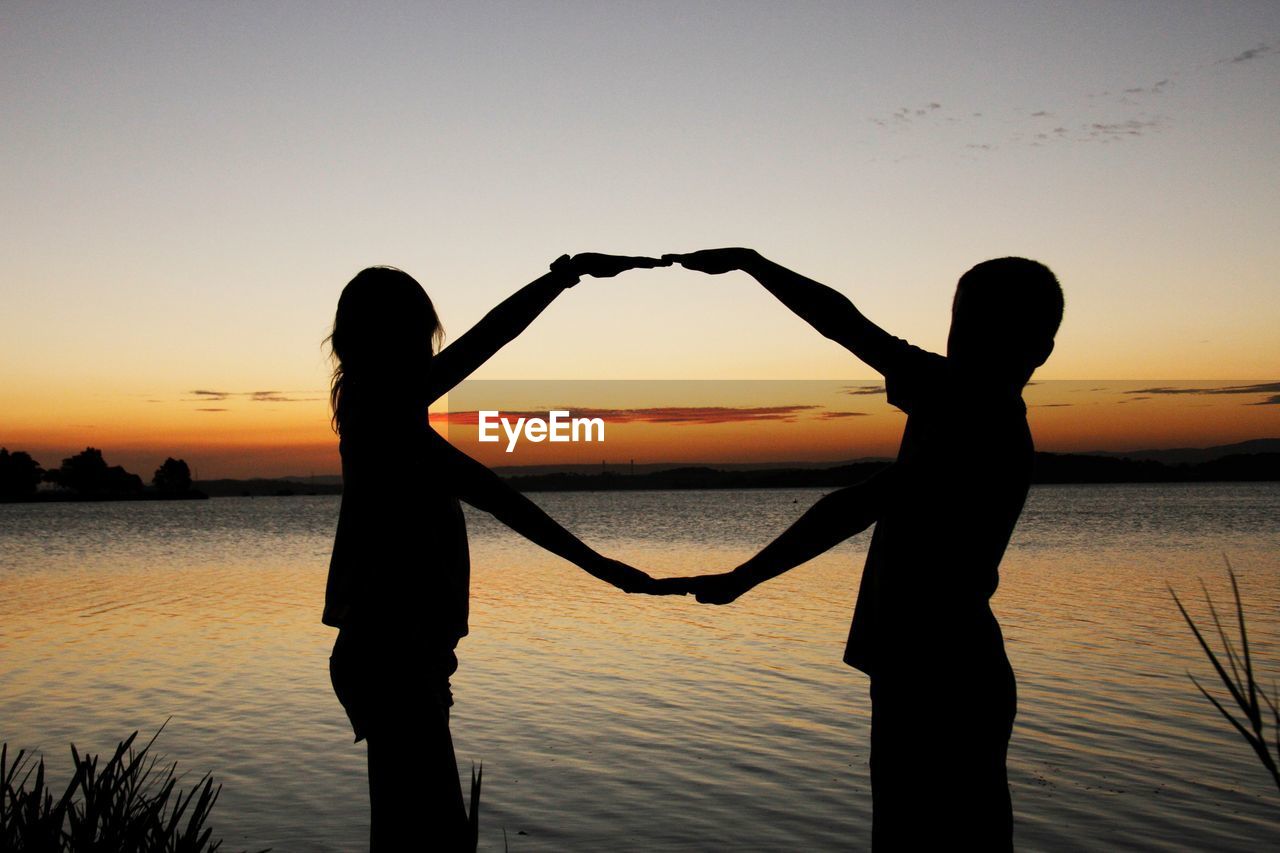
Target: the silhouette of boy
(943, 695)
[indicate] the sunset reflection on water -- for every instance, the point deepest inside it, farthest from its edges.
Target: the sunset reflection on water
(606, 720)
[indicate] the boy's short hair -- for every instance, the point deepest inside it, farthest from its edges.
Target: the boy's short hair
(1021, 299)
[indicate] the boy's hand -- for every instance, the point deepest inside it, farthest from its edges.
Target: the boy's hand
(714, 261)
(716, 589)
(604, 266)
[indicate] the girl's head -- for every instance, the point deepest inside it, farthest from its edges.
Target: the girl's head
(384, 334)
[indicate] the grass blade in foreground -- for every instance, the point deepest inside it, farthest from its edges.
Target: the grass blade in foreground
(1241, 682)
(124, 804)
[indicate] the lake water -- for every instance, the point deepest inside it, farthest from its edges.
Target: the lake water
(607, 721)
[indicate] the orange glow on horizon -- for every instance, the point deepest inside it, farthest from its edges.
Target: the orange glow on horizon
(776, 422)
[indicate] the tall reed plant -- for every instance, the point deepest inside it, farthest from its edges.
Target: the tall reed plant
(1257, 709)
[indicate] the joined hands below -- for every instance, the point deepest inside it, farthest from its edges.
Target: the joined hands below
(630, 579)
(709, 589)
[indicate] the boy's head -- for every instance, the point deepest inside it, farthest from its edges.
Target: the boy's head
(1004, 316)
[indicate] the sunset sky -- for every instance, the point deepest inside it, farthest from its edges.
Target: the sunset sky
(188, 186)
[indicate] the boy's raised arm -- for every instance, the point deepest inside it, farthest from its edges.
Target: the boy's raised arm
(827, 523)
(513, 315)
(827, 310)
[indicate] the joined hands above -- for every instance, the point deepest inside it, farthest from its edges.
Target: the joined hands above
(715, 261)
(598, 265)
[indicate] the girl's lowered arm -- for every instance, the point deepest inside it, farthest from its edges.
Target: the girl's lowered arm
(484, 490)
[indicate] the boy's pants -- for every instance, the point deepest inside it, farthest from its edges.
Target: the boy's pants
(938, 746)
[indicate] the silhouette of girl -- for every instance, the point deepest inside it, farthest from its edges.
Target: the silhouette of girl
(398, 578)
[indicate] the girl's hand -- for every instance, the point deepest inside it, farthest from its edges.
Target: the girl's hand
(619, 574)
(604, 266)
(669, 586)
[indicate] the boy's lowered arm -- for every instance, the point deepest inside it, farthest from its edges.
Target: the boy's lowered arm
(827, 523)
(827, 310)
(513, 315)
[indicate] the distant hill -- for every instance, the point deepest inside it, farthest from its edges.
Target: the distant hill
(313, 479)
(259, 488)
(1081, 468)
(617, 467)
(1181, 455)
(697, 477)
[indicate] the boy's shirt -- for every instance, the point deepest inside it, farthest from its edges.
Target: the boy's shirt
(951, 501)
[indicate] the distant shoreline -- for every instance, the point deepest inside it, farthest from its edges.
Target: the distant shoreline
(55, 496)
(1178, 466)
(1050, 469)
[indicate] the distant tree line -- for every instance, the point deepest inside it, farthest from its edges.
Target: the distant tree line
(88, 476)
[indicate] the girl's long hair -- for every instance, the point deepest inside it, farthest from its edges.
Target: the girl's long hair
(384, 334)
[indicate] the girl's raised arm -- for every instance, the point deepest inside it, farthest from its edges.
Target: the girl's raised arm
(514, 314)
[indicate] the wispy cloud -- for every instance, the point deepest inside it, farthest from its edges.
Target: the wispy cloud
(903, 116)
(709, 414)
(278, 397)
(657, 415)
(830, 416)
(206, 396)
(1118, 114)
(862, 390)
(210, 410)
(1112, 131)
(1250, 54)
(1270, 401)
(984, 131)
(1154, 89)
(1259, 388)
